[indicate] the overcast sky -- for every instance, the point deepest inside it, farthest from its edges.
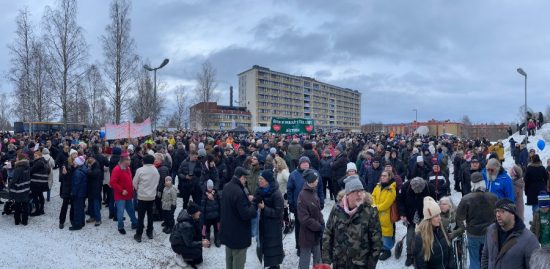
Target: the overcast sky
(445, 58)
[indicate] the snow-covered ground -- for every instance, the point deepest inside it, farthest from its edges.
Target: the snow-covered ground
(42, 244)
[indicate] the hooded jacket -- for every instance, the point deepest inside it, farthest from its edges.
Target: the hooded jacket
(502, 186)
(186, 238)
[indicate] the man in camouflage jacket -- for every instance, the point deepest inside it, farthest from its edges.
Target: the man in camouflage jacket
(352, 241)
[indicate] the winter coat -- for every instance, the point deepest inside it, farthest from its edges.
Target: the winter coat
(114, 160)
(236, 215)
(352, 242)
(536, 179)
(441, 185)
(95, 184)
(282, 180)
(179, 157)
(271, 223)
(79, 182)
(373, 176)
(294, 187)
(20, 183)
(419, 171)
(186, 237)
(514, 253)
(252, 179)
(313, 158)
(194, 169)
(399, 167)
(441, 252)
(169, 198)
(465, 178)
(145, 182)
(40, 172)
(295, 150)
(409, 202)
(502, 186)
(325, 169)
(451, 226)
(102, 163)
(211, 208)
(66, 181)
(536, 227)
(51, 164)
(122, 180)
(383, 197)
(136, 162)
(338, 167)
(523, 158)
(519, 186)
(164, 171)
(478, 210)
(311, 218)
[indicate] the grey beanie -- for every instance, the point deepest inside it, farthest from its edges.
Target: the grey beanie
(418, 184)
(476, 177)
(304, 159)
(353, 184)
(202, 153)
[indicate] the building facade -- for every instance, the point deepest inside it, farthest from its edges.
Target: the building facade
(492, 132)
(211, 116)
(267, 93)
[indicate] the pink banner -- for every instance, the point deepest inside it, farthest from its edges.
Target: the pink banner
(127, 130)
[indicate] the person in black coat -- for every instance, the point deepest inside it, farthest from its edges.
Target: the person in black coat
(95, 183)
(65, 177)
(313, 158)
(79, 191)
(410, 204)
(211, 211)
(185, 239)
(113, 162)
(236, 216)
(179, 156)
(163, 167)
(40, 172)
(536, 180)
(339, 166)
(270, 201)
(136, 161)
(189, 175)
(19, 187)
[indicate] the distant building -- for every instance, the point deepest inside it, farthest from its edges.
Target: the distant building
(211, 116)
(267, 93)
(492, 132)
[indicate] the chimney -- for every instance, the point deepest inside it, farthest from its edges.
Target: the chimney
(231, 96)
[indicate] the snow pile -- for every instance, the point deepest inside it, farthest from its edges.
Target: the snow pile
(542, 134)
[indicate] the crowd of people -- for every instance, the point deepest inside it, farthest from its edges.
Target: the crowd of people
(240, 189)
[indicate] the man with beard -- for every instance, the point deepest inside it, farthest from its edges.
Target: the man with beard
(497, 180)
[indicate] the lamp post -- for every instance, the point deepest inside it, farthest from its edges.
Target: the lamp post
(521, 72)
(415, 115)
(148, 68)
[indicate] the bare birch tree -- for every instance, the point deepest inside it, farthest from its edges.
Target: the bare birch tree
(94, 88)
(204, 91)
(144, 104)
(67, 51)
(181, 112)
(120, 61)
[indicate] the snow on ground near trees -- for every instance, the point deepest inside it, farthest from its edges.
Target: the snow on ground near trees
(42, 244)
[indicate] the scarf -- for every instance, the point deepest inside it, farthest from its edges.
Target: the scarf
(344, 205)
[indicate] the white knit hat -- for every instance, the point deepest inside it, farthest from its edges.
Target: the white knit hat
(72, 151)
(351, 166)
(431, 208)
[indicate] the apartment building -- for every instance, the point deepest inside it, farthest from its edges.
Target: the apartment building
(267, 93)
(211, 116)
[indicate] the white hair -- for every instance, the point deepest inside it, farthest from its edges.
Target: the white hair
(478, 186)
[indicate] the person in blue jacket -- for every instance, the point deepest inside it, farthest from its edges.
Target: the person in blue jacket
(294, 187)
(497, 180)
(79, 191)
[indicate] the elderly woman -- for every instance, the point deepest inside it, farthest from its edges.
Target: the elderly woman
(448, 218)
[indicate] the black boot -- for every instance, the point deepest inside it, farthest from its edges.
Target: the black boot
(409, 260)
(384, 255)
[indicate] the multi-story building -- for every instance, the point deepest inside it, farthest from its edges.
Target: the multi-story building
(211, 116)
(492, 132)
(267, 93)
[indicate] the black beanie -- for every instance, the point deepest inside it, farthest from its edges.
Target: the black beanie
(192, 208)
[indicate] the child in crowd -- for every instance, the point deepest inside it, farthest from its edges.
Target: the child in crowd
(541, 220)
(211, 212)
(169, 199)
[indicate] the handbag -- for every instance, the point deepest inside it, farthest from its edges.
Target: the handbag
(394, 213)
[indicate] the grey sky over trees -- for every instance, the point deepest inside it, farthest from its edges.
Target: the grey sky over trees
(445, 58)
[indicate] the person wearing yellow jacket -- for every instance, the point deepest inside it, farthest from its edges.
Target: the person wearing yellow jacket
(499, 149)
(383, 196)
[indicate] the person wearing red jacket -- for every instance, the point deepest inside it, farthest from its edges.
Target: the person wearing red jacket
(123, 190)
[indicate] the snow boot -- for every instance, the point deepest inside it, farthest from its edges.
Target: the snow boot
(384, 255)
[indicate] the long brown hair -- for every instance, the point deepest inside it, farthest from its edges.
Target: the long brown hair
(425, 230)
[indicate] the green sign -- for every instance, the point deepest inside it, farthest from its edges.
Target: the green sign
(292, 126)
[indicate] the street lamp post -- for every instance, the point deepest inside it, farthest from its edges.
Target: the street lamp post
(148, 68)
(521, 72)
(415, 115)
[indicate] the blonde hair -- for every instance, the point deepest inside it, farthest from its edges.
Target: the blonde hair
(425, 230)
(281, 164)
